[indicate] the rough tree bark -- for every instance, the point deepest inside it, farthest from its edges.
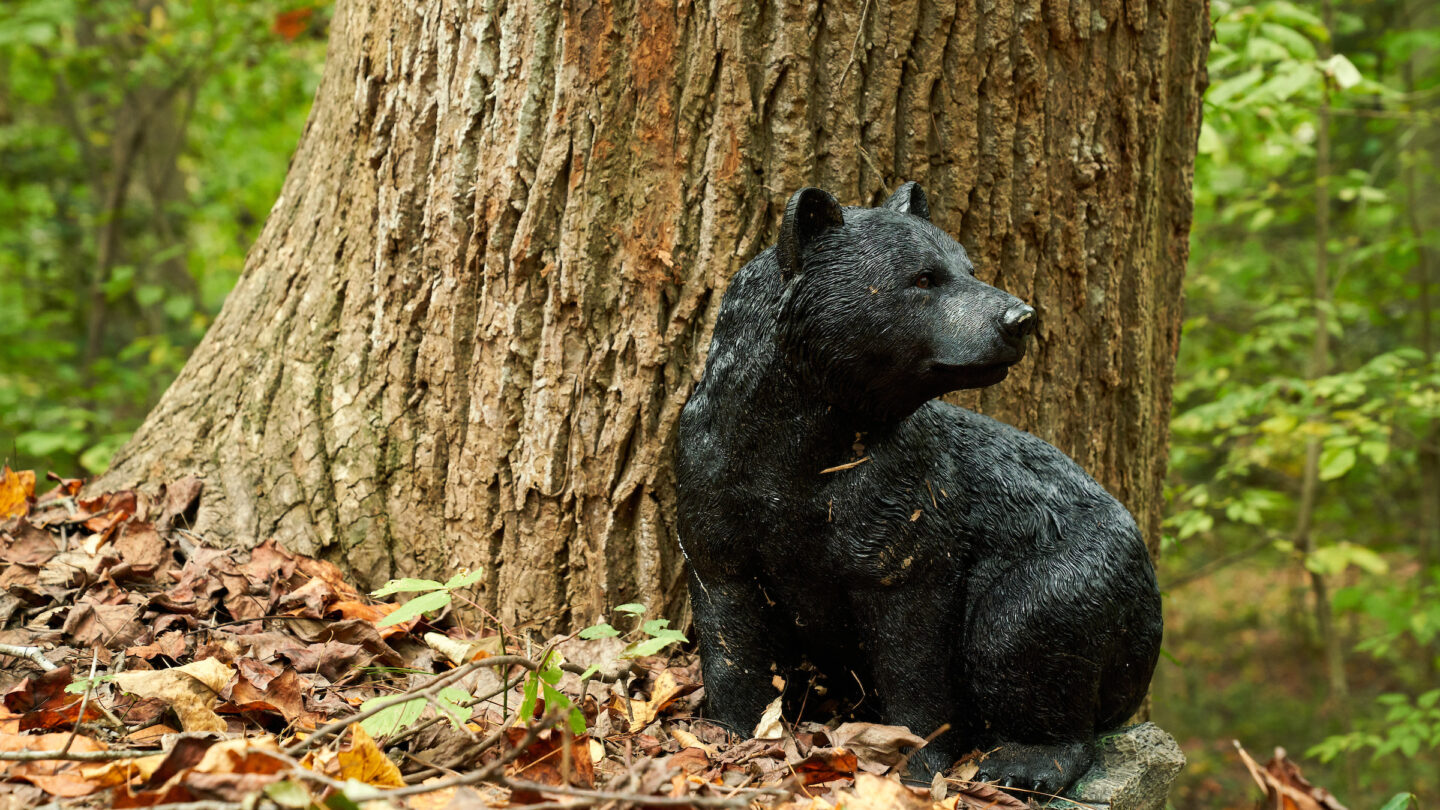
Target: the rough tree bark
(474, 314)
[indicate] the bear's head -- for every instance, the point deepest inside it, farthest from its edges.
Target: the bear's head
(882, 310)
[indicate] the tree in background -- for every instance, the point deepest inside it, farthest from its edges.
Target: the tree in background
(1307, 419)
(115, 252)
(473, 316)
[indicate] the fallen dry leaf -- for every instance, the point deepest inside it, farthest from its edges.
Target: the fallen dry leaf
(170, 644)
(122, 771)
(769, 727)
(1284, 786)
(91, 625)
(364, 762)
(102, 514)
(688, 740)
(983, 796)
(16, 489)
(190, 690)
(641, 713)
(873, 792)
(877, 747)
(43, 704)
(826, 765)
(544, 761)
(199, 769)
(58, 778)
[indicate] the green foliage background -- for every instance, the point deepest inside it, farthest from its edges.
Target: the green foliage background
(142, 143)
(1254, 573)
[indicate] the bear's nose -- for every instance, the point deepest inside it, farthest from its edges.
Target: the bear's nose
(1019, 320)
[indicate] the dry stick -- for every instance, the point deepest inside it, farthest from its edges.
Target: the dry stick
(439, 683)
(31, 653)
(402, 736)
(839, 467)
(904, 761)
(428, 692)
(1205, 570)
(1048, 797)
(479, 748)
(203, 805)
(640, 798)
(488, 772)
(84, 701)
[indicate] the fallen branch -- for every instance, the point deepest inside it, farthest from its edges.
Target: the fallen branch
(31, 653)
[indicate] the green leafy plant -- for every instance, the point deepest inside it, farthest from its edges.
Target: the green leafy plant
(1407, 727)
(450, 702)
(541, 683)
(649, 639)
(434, 596)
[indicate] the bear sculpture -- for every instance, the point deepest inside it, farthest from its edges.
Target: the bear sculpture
(934, 565)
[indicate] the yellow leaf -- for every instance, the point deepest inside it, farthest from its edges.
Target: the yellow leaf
(110, 774)
(688, 740)
(15, 489)
(365, 762)
(643, 712)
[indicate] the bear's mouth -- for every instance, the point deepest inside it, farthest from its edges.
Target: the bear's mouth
(975, 376)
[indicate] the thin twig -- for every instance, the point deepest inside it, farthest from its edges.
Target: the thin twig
(74, 756)
(846, 466)
(643, 799)
(435, 686)
(474, 777)
(84, 701)
(400, 737)
(905, 760)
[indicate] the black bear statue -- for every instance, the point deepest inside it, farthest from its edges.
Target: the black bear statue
(935, 566)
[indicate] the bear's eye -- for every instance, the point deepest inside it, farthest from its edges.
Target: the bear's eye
(925, 281)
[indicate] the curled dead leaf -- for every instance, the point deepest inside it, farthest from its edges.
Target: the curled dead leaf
(459, 651)
(641, 713)
(190, 690)
(878, 747)
(769, 727)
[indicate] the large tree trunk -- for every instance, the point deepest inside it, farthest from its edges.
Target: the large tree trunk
(469, 326)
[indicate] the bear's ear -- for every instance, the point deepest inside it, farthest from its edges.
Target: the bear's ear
(910, 199)
(810, 212)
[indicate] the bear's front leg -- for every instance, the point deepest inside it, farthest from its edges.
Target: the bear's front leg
(910, 647)
(743, 646)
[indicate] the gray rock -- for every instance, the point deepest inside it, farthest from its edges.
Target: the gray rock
(1134, 771)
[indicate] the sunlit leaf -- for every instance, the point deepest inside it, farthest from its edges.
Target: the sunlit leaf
(1342, 70)
(425, 603)
(395, 586)
(1335, 462)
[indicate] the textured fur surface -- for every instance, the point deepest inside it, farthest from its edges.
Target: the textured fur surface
(963, 572)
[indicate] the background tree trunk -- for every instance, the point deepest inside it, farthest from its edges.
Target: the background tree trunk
(473, 317)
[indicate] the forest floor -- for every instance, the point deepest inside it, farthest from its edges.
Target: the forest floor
(149, 669)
